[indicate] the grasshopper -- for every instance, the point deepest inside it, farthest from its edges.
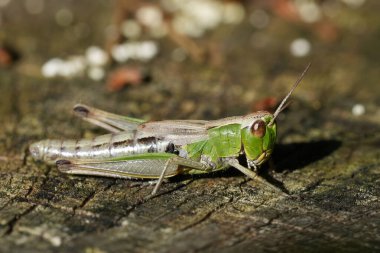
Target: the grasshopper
(161, 149)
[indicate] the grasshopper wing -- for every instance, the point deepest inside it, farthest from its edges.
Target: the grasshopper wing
(134, 166)
(109, 121)
(180, 132)
(139, 166)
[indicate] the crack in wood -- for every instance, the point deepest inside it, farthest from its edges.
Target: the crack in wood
(175, 207)
(243, 236)
(25, 156)
(89, 197)
(144, 200)
(314, 185)
(207, 215)
(12, 223)
(13, 198)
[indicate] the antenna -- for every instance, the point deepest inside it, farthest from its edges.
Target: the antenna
(281, 106)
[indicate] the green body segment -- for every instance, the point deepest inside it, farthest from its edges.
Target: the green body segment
(224, 141)
(229, 141)
(254, 146)
(144, 156)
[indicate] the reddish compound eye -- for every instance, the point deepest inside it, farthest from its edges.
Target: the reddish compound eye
(258, 128)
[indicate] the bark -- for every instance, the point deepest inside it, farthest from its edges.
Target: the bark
(326, 158)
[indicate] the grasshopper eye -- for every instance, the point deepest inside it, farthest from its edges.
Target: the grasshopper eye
(258, 128)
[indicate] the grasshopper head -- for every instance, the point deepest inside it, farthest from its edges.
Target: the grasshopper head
(258, 137)
(258, 131)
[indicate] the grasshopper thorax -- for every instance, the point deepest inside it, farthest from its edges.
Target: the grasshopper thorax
(258, 133)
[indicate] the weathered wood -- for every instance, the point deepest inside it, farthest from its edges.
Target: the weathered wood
(328, 159)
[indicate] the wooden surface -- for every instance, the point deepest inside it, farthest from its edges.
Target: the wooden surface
(327, 158)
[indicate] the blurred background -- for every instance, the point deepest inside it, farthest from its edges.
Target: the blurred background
(197, 59)
(201, 59)
(193, 59)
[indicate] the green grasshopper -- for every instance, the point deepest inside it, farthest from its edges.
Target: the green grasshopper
(162, 149)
